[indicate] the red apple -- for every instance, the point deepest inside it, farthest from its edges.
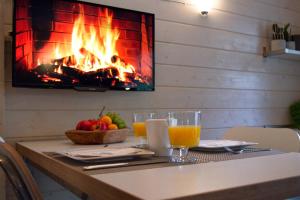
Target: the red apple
(84, 125)
(103, 126)
(94, 121)
(95, 124)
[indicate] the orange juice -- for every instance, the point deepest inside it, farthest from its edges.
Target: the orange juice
(184, 136)
(139, 129)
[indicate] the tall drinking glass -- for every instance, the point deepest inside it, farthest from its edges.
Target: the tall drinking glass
(184, 133)
(139, 127)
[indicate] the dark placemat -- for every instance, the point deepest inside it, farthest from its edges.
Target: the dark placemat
(249, 152)
(157, 162)
(133, 164)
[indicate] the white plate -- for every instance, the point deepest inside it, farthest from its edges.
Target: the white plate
(221, 145)
(106, 154)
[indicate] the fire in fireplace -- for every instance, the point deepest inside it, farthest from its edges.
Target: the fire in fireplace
(63, 44)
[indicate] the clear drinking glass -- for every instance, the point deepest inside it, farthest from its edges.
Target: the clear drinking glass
(184, 132)
(139, 127)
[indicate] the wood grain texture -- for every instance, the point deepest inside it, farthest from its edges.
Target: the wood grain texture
(260, 11)
(174, 32)
(51, 122)
(7, 11)
(293, 5)
(178, 54)
(165, 97)
(223, 19)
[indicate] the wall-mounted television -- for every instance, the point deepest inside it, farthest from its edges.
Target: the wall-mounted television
(74, 44)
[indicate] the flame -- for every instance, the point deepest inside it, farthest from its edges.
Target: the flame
(57, 53)
(93, 48)
(58, 70)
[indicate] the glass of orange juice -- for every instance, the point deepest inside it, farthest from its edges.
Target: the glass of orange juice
(139, 127)
(184, 132)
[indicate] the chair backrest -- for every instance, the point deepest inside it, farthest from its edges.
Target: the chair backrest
(283, 139)
(18, 173)
(14, 179)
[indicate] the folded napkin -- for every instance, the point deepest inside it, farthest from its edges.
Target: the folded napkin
(107, 152)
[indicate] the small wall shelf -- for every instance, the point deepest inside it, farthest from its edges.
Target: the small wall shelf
(285, 54)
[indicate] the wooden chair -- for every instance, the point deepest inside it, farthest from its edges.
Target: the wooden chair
(283, 139)
(18, 173)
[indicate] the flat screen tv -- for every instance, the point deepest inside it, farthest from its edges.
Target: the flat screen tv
(75, 44)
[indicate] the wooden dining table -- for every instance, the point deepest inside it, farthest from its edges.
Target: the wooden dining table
(249, 175)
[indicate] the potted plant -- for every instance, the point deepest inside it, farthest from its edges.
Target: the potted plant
(295, 114)
(278, 43)
(287, 32)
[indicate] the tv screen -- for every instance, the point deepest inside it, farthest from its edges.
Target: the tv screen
(67, 44)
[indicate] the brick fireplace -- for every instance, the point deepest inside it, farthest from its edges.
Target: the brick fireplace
(47, 30)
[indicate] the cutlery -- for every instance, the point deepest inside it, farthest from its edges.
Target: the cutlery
(248, 150)
(234, 151)
(259, 149)
(104, 166)
(91, 156)
(134, 163)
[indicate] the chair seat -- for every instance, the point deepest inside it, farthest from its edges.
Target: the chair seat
(283, 139)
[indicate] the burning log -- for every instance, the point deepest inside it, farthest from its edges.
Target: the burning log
(117, 59)
(130, 76)
(64, 78)
(86, 69)
(44, 69)
(112, 72)
(72, 60)
(108, 77)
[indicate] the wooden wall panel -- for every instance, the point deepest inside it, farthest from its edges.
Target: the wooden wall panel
(213, 64)
(221, 78)
(175, 54)
(162, 98)
(27, 123)
(290, 5)
(191, 35)
(187, 14)
(259, 11)
(7, 12)
(222, 20)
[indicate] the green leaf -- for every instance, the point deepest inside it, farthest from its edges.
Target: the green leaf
(286, 27)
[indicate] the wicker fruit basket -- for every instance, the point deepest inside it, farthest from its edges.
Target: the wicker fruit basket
(98, 136)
